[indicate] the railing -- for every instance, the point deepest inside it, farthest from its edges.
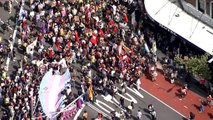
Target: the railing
(64, 109)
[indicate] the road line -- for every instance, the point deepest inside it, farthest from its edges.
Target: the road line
(16, 1)
(185, 106)
(136, 92)
(111, 99)
(97, 110)
(8, 57)
(4, 23)
(98, 102)
(163, 103)
(132, 99)
(79, 112)
(14, 36)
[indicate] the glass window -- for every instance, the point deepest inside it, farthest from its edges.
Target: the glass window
(211, 9)
(201, 5)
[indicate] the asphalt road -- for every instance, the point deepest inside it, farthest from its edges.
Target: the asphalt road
(104, 105)
(14, 31)
(4, 17)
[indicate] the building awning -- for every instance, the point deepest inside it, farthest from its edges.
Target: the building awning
(169, 15)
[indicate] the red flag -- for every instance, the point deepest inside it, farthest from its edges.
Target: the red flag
(94, 40)
(111, 22)
(77, 38)
(101, 33)
(115, 29)
(125, 17)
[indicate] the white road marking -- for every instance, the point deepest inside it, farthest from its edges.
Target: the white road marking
(16, 1)
(79, 112)
(111, 99)
(115, 100)
(14, 36)
(163, 103)
(185, 106)
(97, 110)
(130, 100)
(4, 22)
(136, 92)
(98, 102)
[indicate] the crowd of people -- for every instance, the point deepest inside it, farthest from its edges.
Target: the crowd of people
(111, 44)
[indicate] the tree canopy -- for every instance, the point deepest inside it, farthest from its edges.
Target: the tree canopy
(197, 65)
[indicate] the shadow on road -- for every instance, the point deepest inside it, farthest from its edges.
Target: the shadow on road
(170, 89)
(210, 115)
(196, 106)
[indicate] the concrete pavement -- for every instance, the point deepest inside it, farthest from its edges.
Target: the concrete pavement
(169, 93)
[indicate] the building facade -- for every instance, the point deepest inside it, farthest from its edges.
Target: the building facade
(205, 6)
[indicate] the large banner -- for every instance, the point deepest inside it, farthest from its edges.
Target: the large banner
(50, 90)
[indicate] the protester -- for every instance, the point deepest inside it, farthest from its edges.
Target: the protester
(93, 34)
(191, 116)
(201, 107)
(139, 115)
(85, 115)
(209, 100)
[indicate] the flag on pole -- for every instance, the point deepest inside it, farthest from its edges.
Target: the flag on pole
(90, 93)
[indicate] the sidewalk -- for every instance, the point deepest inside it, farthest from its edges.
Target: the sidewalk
(168, 93)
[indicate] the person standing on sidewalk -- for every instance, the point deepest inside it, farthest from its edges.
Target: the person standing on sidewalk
(201, 107)
(209, 100)
(191, 116)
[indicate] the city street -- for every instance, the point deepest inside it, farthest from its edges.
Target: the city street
(160, 93)
(105, 105)
(5, 34)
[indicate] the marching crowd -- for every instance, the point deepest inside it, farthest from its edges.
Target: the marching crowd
(107, 38)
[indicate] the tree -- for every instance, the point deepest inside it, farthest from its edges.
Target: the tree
(197, 65)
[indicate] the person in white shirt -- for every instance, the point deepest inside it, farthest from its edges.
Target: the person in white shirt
(139, 115)
(138, 83)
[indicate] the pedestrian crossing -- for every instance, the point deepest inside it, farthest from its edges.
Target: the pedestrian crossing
(106, 104)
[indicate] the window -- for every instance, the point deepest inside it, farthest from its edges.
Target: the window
(211, 9)
(201, 5)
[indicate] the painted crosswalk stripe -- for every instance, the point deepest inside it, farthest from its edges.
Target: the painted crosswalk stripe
(135, 91)
(4, 23)
(79, 112)
(130, 100)
(97, 110)
(98, 103)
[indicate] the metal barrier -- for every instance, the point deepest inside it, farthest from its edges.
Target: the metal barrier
(64, 109)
